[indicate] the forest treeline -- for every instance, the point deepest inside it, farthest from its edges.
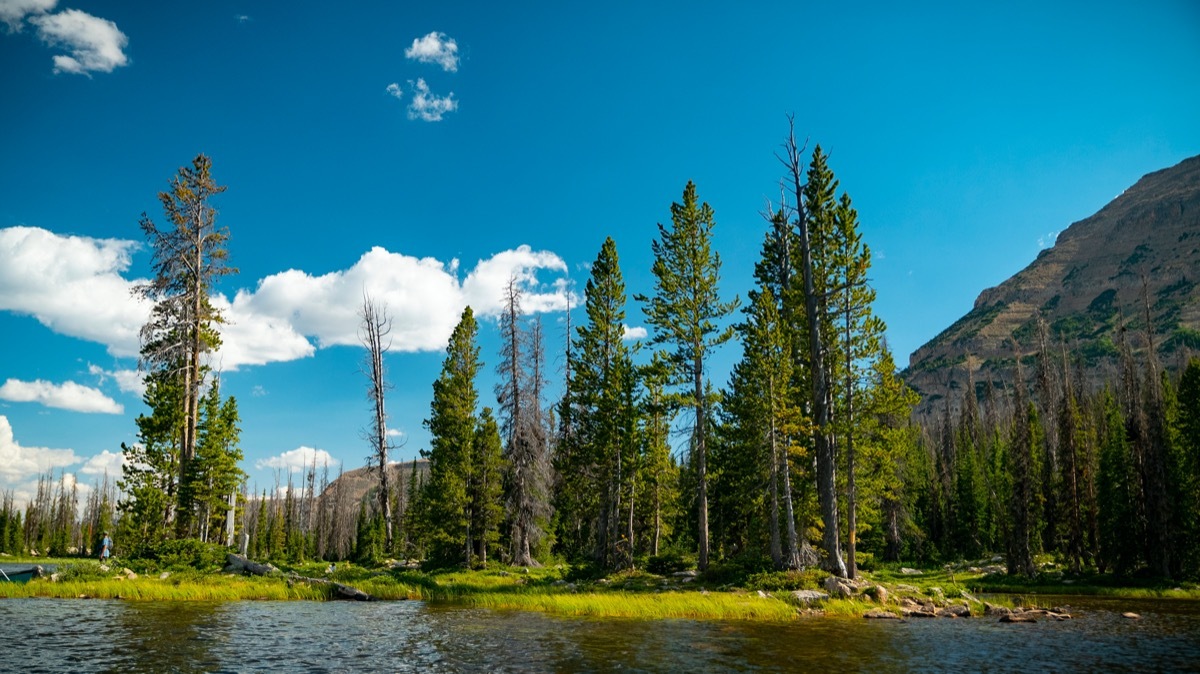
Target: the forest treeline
(808, 455)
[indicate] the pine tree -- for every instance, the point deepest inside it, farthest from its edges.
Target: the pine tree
(1024, 485)
(1117, 488)
(1187, 434)
(891, 453)
(189, 256)
(685, 311)
(660, 474)
(151, 467)
(486, 487)
(452, 423)
(214, 474)
(598, 460)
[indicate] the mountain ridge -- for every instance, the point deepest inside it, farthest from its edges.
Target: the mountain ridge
(1139, 254)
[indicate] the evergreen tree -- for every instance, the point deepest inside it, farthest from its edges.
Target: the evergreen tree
(1117, 487)
(660, 474)
(151, 467)
(685, 311)
(1024, 485)
(1187, 434)
(486, 486)
(452, 423)
(189, 256)
(214, 474)
(598, 460)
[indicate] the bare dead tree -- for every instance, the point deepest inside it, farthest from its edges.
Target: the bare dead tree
(373, 331)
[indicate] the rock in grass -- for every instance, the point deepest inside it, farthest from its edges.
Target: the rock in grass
(1131, 615)
(909, 572)
(809, 596)
(880, 614)
(838, 587)
(917, 613)
(1017, 618)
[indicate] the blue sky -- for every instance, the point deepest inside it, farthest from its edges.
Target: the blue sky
(361, 150)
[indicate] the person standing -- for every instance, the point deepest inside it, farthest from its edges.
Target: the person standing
(105, 547)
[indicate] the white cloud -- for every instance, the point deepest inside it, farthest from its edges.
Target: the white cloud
(427, 106)
(95, 44)
(19, 463)
(72, 285)
(1047, 240)
(243, 18)
(633, 333)
(435, 48)
(67, 396)
(104, 462)
(423, 297)
(128, 381)
(258, 391)
(296, 460)
(395, 433)
(395, 90)
(13, 12)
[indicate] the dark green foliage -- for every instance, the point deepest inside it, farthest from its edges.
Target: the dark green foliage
(686, 311)
(452, 423)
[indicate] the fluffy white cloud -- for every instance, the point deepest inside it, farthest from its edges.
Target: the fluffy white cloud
(633, 333)
(435, 48)
(296, 460)
(128, 381)
(423, 296)
(105, 462)
(67, 396)
(19, 463)
(94, 44)
(427, 106)
(13, 12)
(72, 285)
(395, 90)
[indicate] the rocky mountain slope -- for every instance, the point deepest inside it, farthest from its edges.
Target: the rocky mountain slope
(1139, 254)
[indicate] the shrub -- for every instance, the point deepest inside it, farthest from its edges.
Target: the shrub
(668, 562)
(776, 581)
(81, 571)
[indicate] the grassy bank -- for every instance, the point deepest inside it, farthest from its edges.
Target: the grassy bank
(559, 590)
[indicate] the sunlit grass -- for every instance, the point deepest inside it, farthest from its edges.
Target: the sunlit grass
(223, 588)
(694, 605)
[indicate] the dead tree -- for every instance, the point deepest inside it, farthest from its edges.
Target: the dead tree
(373, 331)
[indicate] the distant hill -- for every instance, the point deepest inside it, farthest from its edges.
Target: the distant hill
(1144, 245)
(354, 485)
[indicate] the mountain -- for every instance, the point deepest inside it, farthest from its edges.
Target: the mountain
(352, 486)
(1139, 254)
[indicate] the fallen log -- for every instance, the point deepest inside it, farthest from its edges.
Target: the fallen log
(239, 564)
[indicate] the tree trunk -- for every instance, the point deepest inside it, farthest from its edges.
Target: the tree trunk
(701, 463)
(821, 399)
(776, 547)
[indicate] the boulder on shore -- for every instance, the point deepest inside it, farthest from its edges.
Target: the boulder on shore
(809, 596)
(1017, 618)
(880, 614)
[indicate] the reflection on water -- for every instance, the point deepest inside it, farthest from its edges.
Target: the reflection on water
(48, 635)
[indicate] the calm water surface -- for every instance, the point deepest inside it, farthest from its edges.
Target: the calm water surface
(50, 635)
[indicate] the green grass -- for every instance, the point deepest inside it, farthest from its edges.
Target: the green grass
(557, 590)
(620, 604)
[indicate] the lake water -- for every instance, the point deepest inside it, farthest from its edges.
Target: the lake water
(50, 635)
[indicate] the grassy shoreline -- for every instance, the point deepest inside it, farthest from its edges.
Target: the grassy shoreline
(624, 595)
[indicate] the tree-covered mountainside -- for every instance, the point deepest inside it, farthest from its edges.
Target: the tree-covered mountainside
(1138, 258)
